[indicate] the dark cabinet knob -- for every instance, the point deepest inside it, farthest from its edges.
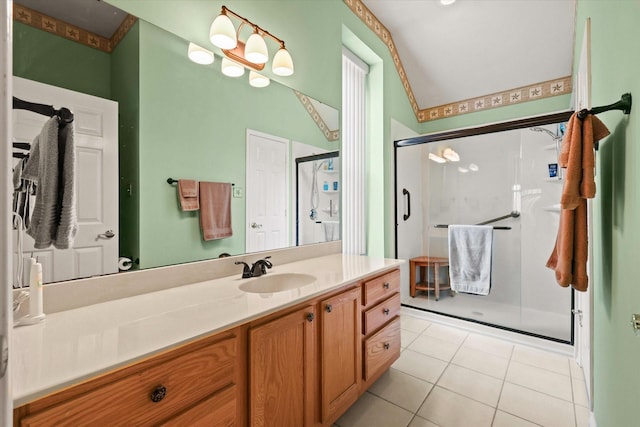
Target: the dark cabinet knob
(329, 308)
(386, 346)
(310, 317)
(386, 285)
(386, 311)
(158, 393)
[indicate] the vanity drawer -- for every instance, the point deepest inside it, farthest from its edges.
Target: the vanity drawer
(379, 314)
(382, 349)
(216, 410)
(175, 383)
(380, 287)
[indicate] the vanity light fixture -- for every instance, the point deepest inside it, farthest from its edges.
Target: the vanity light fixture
(258, 80)
(200, 55)
(253, 53)
(473, 167)
(450, 155)
(436, 158)
(447, 2)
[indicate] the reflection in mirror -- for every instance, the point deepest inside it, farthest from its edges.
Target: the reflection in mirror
(163, 116)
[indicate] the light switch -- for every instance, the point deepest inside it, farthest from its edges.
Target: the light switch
(635, 323)
(237, 192)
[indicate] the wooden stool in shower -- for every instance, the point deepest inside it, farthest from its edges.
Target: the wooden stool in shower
(421, 283)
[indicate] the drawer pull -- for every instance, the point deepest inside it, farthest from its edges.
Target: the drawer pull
(329, 308)
(386, 285)
(386, 346)
(158, 393)
(310, 317)
(386, 311)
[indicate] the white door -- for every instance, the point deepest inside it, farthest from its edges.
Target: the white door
(96, 140)
(584, 300)
(267, 192)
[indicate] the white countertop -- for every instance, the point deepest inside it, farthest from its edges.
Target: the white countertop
(74, 345)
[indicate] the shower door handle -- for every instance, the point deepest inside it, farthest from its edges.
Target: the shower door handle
(405, 192)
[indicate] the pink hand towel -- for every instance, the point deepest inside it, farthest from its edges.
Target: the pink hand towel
(215, 210)
(188, 193)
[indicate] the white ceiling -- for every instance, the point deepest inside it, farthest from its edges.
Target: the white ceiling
(478, 47)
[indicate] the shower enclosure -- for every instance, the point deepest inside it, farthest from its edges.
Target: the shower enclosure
(317, 198)
(502, 175)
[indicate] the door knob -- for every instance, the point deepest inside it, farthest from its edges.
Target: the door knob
(256, 225)
(109, 234)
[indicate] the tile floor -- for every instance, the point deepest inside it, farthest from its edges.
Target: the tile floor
(449, 377)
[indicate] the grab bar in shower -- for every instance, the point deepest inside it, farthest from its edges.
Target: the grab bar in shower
(514, 214)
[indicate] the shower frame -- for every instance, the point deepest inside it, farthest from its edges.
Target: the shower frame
(304, 159)
(467, 132)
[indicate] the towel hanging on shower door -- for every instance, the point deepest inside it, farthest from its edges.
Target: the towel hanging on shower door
(470, 248)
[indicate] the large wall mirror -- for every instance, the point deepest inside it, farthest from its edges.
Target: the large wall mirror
(168, 118)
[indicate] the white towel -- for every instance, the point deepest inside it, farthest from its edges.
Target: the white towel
(470, 258)
(331, 230)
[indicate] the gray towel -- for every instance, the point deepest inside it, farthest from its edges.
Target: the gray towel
(470, 258)
(51, 165)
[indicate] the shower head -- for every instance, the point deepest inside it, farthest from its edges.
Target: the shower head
(547, 131)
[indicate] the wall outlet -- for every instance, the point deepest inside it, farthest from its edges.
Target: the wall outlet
(237, 192)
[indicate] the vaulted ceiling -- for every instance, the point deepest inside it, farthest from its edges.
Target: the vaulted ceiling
(475, 54)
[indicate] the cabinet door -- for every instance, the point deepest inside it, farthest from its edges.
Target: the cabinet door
(341, 352)
(281, 370)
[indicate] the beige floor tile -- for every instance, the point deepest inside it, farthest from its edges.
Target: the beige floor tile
(435, 347)
(542, 359)
(536, 407)
(413, 324)
(421, 422)
(580, 396)
(540, 379)
(489, 345)
(401, 389)
(371, 411)
(446, 333)
(481, 362)
(472, 384)
(582, 416)
(502, 419)
(576, 370)
(419, 365)
(407, 337)
(449, 409)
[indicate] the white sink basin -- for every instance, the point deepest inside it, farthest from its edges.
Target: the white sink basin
(271, 283)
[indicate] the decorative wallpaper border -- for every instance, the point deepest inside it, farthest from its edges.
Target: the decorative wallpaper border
(52, 25)
(331, 135)
(560, 86)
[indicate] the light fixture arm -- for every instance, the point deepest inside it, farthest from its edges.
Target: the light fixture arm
(256, 28)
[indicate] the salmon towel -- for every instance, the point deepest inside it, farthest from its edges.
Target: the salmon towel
(215, 210)
(188, 194)
(569, 256)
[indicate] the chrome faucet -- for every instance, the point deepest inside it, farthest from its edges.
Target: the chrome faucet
(257, 269)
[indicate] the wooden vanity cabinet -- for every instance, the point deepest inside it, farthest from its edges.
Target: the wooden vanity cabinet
(179, 385)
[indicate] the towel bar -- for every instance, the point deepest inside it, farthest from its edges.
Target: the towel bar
(624, 105)
(175, 181)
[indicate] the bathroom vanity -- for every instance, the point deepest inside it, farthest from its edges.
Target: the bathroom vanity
(210, 353)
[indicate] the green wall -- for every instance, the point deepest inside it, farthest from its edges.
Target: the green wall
(616, 210)
(47, 58)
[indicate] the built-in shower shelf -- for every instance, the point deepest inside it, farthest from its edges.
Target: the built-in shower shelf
(559, 181)
(330, 191)
(552, 208)
(329, 172)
